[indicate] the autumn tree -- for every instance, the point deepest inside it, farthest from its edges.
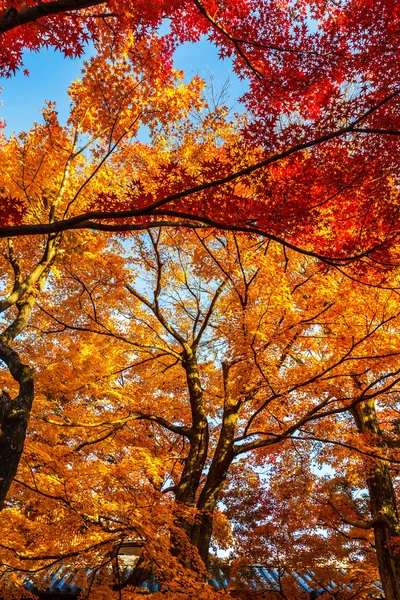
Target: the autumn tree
(355, 501)
(194, 353)
(313, 166)
(50, 171)
(320, 140)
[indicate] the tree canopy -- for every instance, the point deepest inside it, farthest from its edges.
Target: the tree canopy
(319, 96)
(200, 322)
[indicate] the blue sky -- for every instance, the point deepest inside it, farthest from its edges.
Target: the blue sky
(23, 96)
(50, 74)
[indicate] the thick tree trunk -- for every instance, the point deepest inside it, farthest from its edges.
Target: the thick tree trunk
(187, 488)
(200, 535)
(188, 485)
(201, 531)
(15, 413)
(14, 418)
(383, 505)
(199, 528)
(223, 456)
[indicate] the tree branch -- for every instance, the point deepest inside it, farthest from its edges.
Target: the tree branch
(13, 18)
(138, 416)
(85, 220)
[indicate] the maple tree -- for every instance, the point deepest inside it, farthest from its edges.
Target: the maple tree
(322, 105)
(46, 173)
(345, 515)
(313, 167)
(180, 364)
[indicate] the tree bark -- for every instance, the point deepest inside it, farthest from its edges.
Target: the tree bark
(199, 438)
(187, 488)
(12, 18)
(15, 413)
(383, 505)
(14, 418)
(223, 456)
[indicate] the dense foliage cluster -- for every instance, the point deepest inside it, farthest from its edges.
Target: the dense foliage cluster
(200, 327)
